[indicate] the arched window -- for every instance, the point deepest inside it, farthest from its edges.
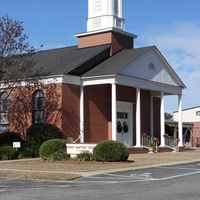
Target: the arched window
(4, 112)
(38, 107)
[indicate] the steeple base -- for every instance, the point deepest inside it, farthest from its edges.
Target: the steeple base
(116, 38)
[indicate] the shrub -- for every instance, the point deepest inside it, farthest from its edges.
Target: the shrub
(28, 152)
(39, 133)
(53, 150)
(85, 156)
(9, 137)
(110, 151)
(8, 153)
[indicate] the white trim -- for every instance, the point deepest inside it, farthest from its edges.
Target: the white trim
(70, 79)
(105, 30)
(50, 80)
(138, 118)
(132, 82)
(99, 80)
(162, 120)
(114, 112)
(43, 80)
(180, 124)
(149, 85)
(82, 114)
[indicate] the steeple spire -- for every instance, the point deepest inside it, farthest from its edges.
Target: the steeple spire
(103, 14)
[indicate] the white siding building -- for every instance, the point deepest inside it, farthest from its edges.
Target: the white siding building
(192, 116)
(189, 115)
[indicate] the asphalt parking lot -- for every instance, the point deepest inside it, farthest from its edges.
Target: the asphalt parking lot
(162, 182)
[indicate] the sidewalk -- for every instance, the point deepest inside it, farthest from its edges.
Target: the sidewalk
(73, 169)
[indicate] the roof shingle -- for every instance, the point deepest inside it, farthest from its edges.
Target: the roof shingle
(63, 60)
(117, 62)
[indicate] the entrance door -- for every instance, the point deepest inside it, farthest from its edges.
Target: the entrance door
(124, 123)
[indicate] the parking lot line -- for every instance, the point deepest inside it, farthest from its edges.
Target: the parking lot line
(179, 168)
(180, 175)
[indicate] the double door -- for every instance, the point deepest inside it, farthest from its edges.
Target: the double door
(124, 123)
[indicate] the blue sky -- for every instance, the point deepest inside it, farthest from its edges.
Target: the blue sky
(172, 25)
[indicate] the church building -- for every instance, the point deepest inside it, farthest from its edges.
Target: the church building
(109, 90)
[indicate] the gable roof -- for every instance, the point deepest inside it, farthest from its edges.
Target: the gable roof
(63, 60)
(93, 61)
(117, 62)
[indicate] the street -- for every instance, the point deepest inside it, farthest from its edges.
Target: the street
(176, 182)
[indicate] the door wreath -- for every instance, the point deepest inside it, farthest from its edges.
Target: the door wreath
(125, 127)
(119, 127)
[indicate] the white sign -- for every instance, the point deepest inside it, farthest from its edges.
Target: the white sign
(16, 144)
(74, 149)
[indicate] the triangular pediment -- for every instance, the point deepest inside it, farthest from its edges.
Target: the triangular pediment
(153, 67)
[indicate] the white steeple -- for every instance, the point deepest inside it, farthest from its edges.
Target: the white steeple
(104, 14)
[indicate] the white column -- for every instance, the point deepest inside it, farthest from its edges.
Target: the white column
(180, 124)
(138, 118)
(81, 114)
(114, 112)
(162, 120)
(151, 116)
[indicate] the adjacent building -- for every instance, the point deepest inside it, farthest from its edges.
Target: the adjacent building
(191, 120)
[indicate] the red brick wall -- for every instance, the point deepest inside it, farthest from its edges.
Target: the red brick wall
(94, 40)
(120, 41)
(156, 117)
(125, 93)
(97, 107)
(145, 111)
(117, 41)
(195, 136)
(70, 111)
(21, 107)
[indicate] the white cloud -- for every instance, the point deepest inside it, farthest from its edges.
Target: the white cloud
(180, 45)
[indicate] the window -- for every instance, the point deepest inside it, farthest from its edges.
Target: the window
(119, 23)
(116, 7)
(38, 107)
(197, 113)
(152, 66)
(4, 112)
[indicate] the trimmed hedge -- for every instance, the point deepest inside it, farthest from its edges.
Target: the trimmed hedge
(53, 150)
(8, 153)
(28, 152)
(110, 151)
(37, 134)
(85, 156)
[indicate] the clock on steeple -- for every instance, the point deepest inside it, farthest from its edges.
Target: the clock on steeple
(103, 14)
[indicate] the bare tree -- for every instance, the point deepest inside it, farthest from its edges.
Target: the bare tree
(16, 62)
(19, 79)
